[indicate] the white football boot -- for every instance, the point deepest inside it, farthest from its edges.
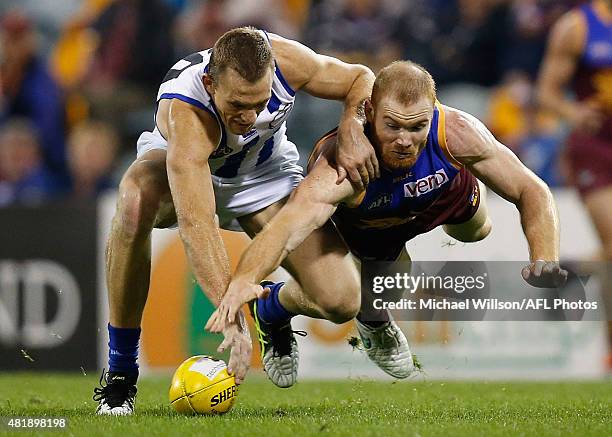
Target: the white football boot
(279, 350)
(388, 347)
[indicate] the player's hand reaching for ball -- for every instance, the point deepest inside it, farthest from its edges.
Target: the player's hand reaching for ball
(544, 274)
(238, 293)
(238, 338)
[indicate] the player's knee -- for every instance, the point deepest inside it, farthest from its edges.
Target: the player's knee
(341, 310)
(481, 233)
(139, 200)
(129, 218)
(471, 234)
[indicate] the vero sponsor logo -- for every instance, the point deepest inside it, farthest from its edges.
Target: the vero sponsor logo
(425, 184)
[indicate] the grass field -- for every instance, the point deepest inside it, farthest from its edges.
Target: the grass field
(348, 407)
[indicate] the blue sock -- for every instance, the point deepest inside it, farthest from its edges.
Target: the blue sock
(123, 349)
(270, 310)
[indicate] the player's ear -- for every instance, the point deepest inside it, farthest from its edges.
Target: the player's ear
(369, 110)
(208, 83)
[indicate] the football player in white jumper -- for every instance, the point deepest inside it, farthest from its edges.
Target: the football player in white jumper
(219, 151)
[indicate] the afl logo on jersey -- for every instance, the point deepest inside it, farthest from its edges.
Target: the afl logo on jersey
(381, 201)
(425, 184)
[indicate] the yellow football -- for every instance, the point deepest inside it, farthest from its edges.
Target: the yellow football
(202, 385)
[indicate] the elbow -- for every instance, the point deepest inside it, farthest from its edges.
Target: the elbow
(544, 192)
(312, 212)
(302, 218)
(363, 80)
(536, 194)
(365, 73)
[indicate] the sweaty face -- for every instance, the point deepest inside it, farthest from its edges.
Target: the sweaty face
(400, 130)
(238, 101)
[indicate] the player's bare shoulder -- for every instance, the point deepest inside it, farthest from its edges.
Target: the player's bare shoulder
(467, 138)
(296, 61)
(177, 119)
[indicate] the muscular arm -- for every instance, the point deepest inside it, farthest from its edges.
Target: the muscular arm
(329, 78)
(311, 204)
(471, 143)
(192, 137)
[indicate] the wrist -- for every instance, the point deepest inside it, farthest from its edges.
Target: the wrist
(348, 131)
(243, 280)
(350, 122)
(545, 259)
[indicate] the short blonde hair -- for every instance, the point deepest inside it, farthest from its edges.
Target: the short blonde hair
(405, 80)
(243, 49)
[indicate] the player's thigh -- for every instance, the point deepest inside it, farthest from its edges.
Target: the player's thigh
(477, 227)
(325, 269)
(598, 205)
(144, 192)
(253, 223)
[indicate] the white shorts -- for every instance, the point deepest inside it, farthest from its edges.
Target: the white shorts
(247, 193)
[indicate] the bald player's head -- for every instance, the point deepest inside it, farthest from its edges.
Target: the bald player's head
(405, 81)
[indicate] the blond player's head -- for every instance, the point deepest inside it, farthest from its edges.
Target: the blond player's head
(400, 112)
(406, 81)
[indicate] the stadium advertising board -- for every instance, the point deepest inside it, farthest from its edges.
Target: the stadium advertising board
(48, 287)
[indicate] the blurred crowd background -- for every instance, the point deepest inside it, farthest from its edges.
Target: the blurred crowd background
(79, 78)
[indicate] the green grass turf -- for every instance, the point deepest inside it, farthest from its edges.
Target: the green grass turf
(347, 407)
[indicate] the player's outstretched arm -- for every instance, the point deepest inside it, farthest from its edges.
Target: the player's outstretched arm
(192, 136)
(189, 146)
(329, 78)
(472, 144)
(565, 46)
(311, 204)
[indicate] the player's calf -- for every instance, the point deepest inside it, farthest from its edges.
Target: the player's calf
(339, 309)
